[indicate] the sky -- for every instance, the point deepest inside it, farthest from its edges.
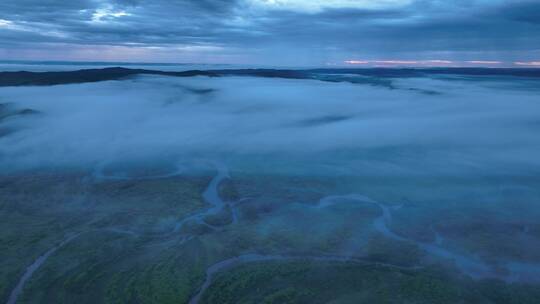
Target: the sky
(487, 33)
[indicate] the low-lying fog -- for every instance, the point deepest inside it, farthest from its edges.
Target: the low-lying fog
(426, 126)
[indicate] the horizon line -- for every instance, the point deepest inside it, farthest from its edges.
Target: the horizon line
(353, 64)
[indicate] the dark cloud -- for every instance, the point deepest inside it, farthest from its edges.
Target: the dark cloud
(528, 11)
(504, 30)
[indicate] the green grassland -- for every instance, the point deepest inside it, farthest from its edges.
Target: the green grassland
(347, 282)
(127, 249)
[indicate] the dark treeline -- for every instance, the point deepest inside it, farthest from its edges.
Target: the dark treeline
(24, 78)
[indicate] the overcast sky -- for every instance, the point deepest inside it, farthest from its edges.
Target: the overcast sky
(274, 32)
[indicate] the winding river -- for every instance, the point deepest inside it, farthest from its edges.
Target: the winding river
(249, 258)
(211, 196)
(17, 291)
(30, 270)
(470, 265)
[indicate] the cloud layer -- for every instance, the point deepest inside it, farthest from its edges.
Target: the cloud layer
(302, 32)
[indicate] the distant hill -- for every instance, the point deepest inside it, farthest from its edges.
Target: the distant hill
(24, 78)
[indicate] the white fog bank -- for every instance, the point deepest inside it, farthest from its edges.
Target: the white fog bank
(473, 125)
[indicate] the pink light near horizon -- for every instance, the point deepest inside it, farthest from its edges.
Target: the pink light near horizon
(488, 62)
(398, 62)
(442, 62)
(529, 64)
(356, 62)
(433, 62)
